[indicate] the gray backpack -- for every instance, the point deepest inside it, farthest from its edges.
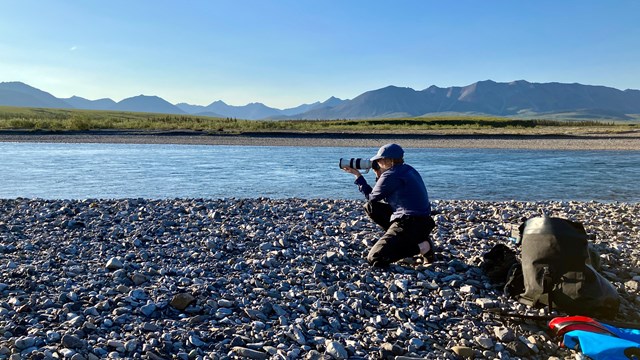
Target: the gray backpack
(557, 271)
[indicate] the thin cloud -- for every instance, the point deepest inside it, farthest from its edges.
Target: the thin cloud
(73, 48)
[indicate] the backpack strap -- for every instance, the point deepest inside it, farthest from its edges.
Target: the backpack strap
(533, 296)
(547, 286)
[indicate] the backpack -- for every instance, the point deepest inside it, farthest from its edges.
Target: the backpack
(556, 269)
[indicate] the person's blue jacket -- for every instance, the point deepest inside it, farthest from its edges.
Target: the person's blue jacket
(402, 188)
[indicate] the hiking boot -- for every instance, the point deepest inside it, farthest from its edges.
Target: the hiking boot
(430, 256)
(408, 261)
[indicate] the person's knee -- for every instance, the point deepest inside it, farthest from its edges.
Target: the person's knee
(368, 208)
(371, 257)
(375, 259)
(431, 224)
(378, 263)
(380, 213)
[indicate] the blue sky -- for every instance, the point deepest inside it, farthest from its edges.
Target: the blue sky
(287, 52)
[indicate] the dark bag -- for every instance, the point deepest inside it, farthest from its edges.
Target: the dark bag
(502, 267)
(497, 262)
(557, 272)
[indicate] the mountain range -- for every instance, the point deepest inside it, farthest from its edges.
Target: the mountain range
(514, 99)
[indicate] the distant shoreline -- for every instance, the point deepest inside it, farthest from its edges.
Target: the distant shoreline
(598, 141)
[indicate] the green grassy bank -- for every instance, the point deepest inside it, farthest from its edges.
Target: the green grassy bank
(78, 120)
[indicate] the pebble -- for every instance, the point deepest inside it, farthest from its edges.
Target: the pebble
(249, 353)
(336, 350)
(24, 342)
(148, 309)
(504, 334)
(72, 341)
(114, 264)
(182, 301)
(463, 351)
(273, 278)
(484, 341)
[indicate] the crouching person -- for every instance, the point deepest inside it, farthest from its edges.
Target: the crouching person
(399, 203)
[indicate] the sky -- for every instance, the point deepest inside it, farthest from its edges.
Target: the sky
(284, 53)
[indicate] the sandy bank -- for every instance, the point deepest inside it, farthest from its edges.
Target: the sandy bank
(624, 141)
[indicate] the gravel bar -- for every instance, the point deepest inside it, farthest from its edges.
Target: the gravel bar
(274, 279)
(597, 141)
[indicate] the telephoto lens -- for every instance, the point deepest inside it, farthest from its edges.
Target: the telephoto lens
(356, 163)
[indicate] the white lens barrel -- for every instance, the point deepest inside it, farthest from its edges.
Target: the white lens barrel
(355, 163)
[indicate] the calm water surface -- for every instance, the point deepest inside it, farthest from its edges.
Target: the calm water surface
(79, 171)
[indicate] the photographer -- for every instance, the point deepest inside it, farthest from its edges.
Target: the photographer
(399, 203)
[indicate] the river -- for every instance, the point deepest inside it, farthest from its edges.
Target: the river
(81, 171)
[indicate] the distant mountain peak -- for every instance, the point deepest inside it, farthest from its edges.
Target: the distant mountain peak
(147, 103)
(519, 82)
(20, 86)
(490, 98)
(394, 87)
(517, 98)
(16, 93)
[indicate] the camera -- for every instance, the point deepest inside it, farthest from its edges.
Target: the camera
(357, 163)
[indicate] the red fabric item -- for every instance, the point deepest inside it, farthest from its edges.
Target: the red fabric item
(561, 325)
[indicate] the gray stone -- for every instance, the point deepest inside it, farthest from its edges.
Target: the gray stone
(390, 351)
(196, 341)
(249, 353)
(486, 303)
(182, 301)
(632, 285)
(67, 353)
(336, 350)
(114, 264)
(78, 356)
(138, 294)
(148, 309)
(518, 348)
(467, 289)
(504, 334)
(314, 355)
(130, 345)
(24, 342)
(117, 345)
(53, 336)
(225, 303)
(139, 279)
(297, 335)
(151, 327)
(72, 341)
(463, 351)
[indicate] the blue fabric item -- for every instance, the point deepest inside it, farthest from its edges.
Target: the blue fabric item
(605, 347)
(389, 151)
(624, 333)
(403, 189)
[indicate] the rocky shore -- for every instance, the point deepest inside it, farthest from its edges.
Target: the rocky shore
(273, 279)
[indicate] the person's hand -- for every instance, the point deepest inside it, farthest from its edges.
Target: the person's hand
(352, 171)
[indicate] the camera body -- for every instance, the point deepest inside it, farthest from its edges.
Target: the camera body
(358, 163)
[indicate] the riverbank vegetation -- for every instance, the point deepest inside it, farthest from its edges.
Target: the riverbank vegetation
(16, 118)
